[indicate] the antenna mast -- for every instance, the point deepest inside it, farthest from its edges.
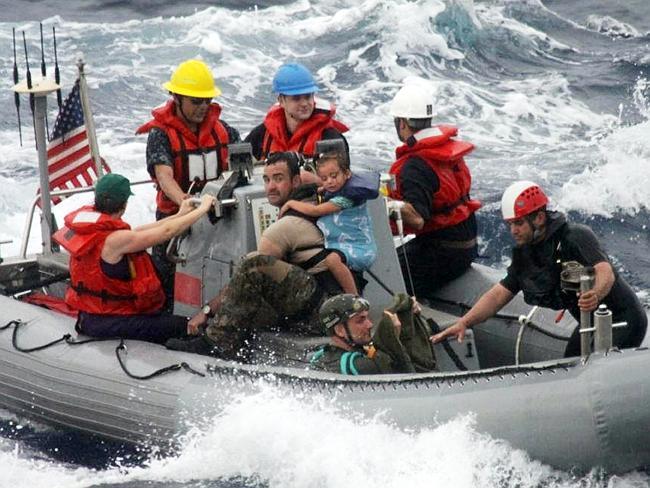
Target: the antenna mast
(16, 96)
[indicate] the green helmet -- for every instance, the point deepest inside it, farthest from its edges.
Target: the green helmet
(340, 308)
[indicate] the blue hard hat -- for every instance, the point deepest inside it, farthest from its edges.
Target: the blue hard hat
(293, 79)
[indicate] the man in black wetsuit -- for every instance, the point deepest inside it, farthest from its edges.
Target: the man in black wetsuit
(544, 240)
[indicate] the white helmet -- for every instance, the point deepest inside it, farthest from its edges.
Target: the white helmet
(522, 198)
(412, 102)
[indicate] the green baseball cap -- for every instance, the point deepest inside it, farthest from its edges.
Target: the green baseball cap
(113, 186)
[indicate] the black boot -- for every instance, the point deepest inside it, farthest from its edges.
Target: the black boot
(197, 345)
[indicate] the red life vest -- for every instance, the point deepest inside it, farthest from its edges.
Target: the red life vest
(196, 158)
(276, 137)
(90, 289)
(444, 155)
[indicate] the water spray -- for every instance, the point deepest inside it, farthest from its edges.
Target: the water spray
(16, 96)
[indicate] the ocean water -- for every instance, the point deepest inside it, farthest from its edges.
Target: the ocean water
(553, 91)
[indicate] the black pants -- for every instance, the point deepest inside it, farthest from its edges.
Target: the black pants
(166, 269)
(432, 266)
(151, 328)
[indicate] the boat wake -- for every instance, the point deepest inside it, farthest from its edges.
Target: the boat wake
(274, 439)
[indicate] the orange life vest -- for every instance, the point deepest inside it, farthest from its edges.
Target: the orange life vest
(90, 289)
(444, 155)
(307, 134)
(196, 158)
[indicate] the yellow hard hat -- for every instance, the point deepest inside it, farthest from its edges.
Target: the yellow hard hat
(193, 78)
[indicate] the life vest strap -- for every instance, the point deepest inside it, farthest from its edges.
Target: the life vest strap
(81, 289)
(219, 145)
(447, 209)
(267, 147)
(315, 259)
(467, 244)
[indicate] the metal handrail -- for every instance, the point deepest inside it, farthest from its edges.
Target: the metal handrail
(56, 193)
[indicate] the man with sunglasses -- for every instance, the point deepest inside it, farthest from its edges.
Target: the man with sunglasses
(298, 120)
(186, 147)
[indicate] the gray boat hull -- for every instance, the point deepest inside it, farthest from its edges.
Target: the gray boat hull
(567, 413)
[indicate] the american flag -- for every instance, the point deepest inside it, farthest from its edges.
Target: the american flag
(69, 162)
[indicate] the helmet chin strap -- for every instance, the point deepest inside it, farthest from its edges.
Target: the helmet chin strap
(291, 116)
(179, 105)
(397, 121)
(348, 336)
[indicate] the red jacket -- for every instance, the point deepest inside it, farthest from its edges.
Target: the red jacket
(307, 134)
(444, 155)
(196, 158)
(90, 289)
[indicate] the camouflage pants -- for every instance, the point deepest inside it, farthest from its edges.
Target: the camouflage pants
(264, 293)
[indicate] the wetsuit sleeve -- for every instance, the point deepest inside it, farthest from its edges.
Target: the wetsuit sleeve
(380, 363)
(583, 244)
(159, 150)
(256, 139)
(355, 362)
(419, 185)
(233, 134)
(510, 282)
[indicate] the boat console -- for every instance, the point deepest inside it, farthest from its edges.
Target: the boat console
(208, 254)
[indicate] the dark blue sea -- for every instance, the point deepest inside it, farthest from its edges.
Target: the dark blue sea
(553, 91)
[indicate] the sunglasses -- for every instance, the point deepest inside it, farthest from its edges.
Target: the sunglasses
(199, 101)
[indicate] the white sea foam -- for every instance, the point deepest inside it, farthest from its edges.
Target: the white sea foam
(280, 440)
(523, 122)
(618, 178)
(539, 43)
(616, 181)
(17, 471)
(533, 124)
(611, 26)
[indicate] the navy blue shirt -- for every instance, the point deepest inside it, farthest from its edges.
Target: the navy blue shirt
(159, 149)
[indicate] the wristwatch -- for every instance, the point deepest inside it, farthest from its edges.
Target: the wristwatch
(207, 310)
